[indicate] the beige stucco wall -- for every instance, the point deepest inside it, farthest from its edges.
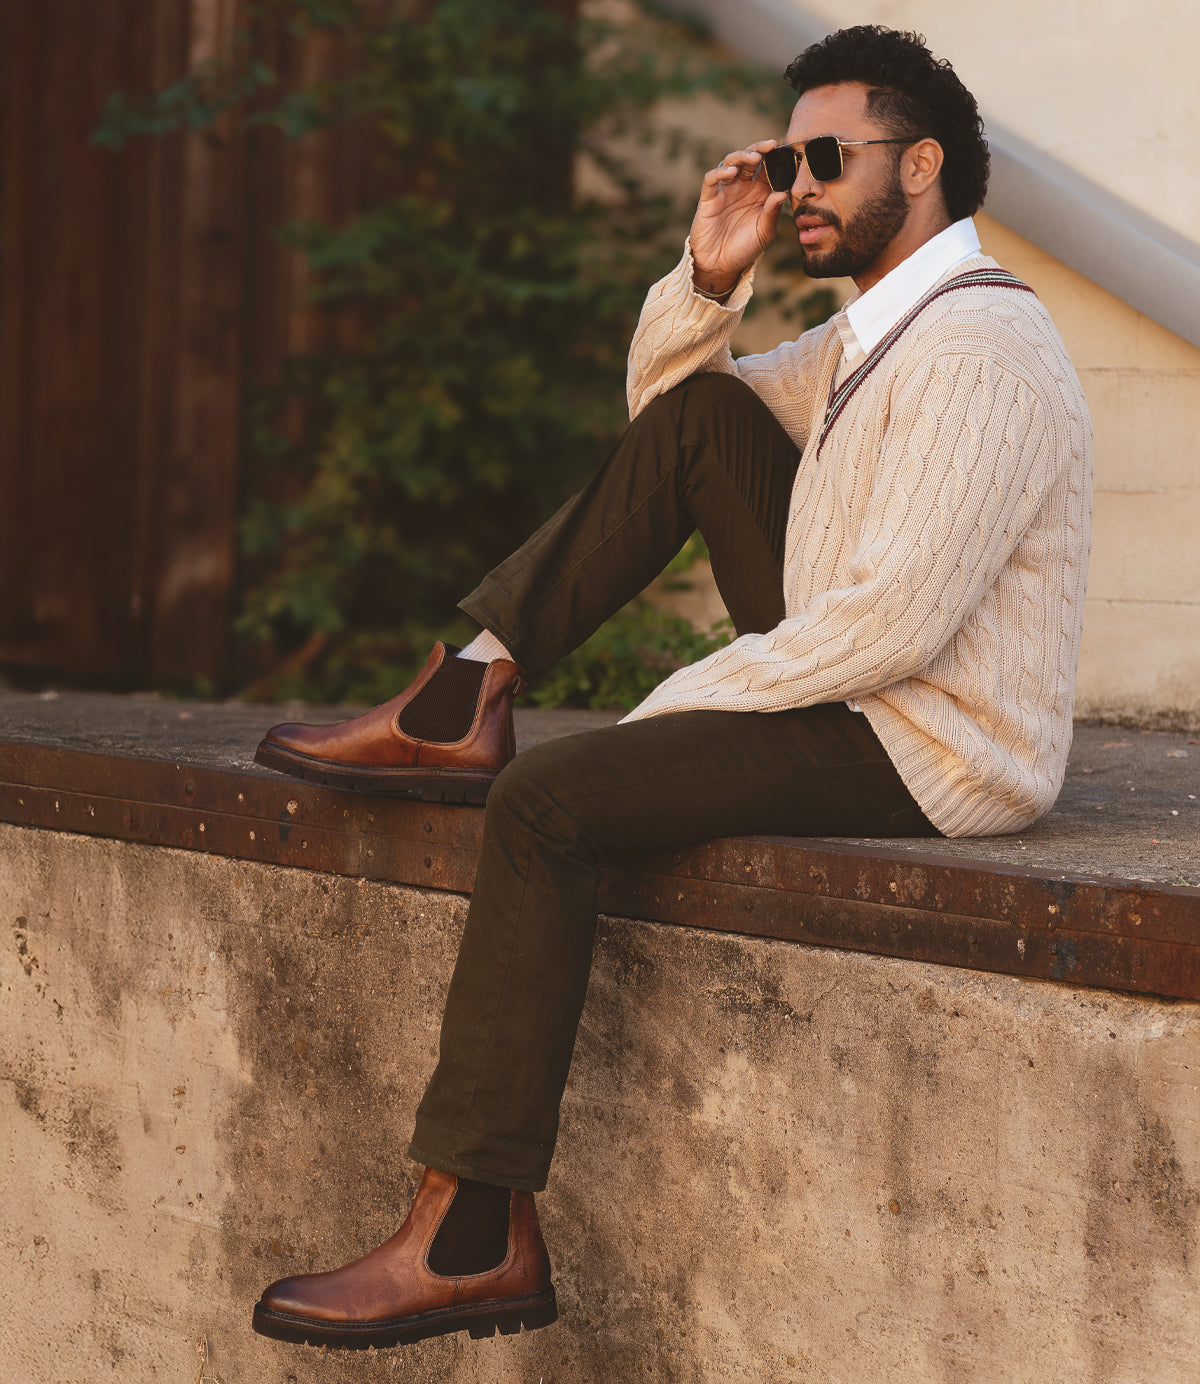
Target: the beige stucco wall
(1104, 91)
(1109, 89)
(1107, 86)
(1141, 643)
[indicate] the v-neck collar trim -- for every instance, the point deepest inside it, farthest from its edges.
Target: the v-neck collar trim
(973, 278)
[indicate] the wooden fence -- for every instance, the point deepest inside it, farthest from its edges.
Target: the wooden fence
(140, 291)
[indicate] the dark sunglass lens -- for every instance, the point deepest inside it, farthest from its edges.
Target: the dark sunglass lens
(824, 155)
(780, 165)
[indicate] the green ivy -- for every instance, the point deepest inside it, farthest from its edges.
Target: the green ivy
(494, 305)
(626, 659)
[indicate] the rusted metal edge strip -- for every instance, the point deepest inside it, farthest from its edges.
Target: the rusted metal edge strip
(400, 855)
(1034, 949)
(1116, 934)
(273, 807)
(946, 885)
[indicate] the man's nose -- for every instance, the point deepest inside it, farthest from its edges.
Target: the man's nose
(804, 184)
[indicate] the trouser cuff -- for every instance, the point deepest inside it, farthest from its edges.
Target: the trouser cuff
(500, 1162)
(482, 611)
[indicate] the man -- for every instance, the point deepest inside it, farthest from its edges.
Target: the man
(897, 510)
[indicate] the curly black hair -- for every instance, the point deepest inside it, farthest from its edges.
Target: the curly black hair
(913, 95)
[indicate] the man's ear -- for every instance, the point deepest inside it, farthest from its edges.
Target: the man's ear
(921, 166)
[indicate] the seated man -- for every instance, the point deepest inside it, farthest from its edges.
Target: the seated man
(897, 509)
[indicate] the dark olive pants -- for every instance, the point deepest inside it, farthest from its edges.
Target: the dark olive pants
(707, 455)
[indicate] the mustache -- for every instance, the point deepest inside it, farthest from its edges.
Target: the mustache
(817, 214)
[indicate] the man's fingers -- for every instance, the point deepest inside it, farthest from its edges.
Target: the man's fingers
(741, 158)
(771, 209)
(742, 165)
(717, 178)
(721, 174)
(752, 152)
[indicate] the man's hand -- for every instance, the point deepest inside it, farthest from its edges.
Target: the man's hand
(736, 218)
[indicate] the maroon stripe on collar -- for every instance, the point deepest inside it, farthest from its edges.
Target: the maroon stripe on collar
(974, 278)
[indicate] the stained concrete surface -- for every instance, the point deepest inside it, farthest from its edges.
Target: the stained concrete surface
(778, 1163)
(1130, 806)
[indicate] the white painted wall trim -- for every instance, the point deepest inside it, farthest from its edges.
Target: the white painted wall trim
(1141, 261)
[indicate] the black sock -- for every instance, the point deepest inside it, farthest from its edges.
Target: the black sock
(473, 1235)
(443, 710)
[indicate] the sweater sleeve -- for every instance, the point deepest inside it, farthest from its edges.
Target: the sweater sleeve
(965, 461)
(681, 333)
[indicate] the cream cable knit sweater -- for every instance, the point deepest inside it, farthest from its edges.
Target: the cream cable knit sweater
(937, 546)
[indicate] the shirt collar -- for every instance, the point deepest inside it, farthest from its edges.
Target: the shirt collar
(866, 320)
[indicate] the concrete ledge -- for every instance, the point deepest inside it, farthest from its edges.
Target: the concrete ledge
(170, 774)
(778, 1162)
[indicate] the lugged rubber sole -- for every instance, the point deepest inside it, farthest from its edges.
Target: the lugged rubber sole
(429, 784)
(481, 1319)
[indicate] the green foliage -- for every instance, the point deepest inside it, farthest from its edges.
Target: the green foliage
(626, 659)
(192, 103)
(494, 305)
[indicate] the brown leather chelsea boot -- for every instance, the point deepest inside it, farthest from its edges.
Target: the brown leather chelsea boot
(445, 737)
(426, 1280)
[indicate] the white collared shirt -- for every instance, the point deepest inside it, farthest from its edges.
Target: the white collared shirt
(865, 320)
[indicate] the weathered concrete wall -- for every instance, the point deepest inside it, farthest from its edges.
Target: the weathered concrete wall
(778, 1162)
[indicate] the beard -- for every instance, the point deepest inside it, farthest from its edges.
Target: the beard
(862, 238)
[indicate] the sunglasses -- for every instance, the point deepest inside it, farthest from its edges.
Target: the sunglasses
(824, 155)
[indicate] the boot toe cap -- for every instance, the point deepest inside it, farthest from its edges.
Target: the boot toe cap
(300, 1296)
(290, 735)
